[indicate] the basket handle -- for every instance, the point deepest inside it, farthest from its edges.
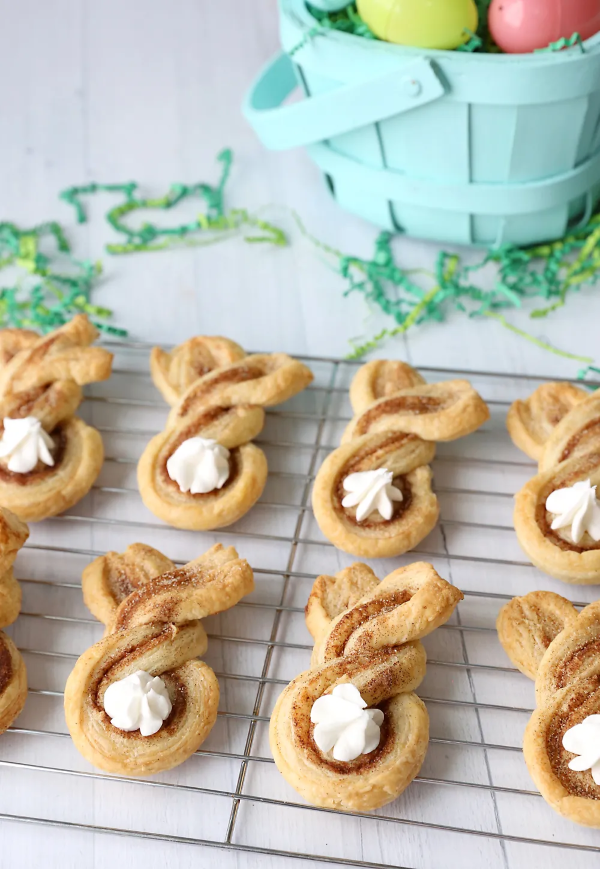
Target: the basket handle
(338, 111)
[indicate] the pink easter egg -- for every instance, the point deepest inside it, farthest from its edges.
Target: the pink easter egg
(521, 26)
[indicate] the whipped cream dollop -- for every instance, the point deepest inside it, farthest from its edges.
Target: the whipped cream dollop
(344, 724)
(584, 740)
(199, 465)
(138, 702)
(370, 492)
(24, 442)
(576, 507)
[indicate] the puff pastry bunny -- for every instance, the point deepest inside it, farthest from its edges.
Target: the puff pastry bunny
(372, 496)
(49, 458)
(203, 472)
(548, 640)
(13, 676)
(557, 514)
(349, 733)
(139, 701)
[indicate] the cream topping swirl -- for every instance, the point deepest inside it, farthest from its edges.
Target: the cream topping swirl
(24, 442)
(344, 724)
(138, 702)
(584, 739)
(576, 507)
(199, 465)
(370, 492)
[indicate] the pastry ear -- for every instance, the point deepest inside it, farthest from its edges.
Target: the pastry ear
(531, 422)
(332, 595)
(527, 625)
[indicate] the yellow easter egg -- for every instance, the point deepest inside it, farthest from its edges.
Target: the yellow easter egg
(421, 23)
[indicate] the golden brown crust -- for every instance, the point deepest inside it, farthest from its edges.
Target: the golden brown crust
(407, 605)
(567, 689)
(13, 682)
(531, 422)
(110, 578)
(373, 645)
(225, 405)
(156, 628)
(42, 377)
(381, 378)
(433, 411)
(49, 491)
(569, 454)
(566, 666)
(13, 534)
(175, 371)
(414, 517)
(398, 419)
(331, 595)
(553, 551)
(527, 625)
(576, 436)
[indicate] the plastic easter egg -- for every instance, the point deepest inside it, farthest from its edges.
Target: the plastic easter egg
(329, 5)
(421, 23)
(521, 26)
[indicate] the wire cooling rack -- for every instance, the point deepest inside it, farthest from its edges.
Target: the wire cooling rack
(473, 803)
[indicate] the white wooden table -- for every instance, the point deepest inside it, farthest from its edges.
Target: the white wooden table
(151, 91)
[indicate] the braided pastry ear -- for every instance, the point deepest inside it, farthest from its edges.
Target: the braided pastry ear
(433, 411)
(531, 422)
(12, 341)
(64, 354)
(576, 436)
(332, 595)
(175, 371)
(110, 578)
(527, 626)
(381, 379)
(407, 605)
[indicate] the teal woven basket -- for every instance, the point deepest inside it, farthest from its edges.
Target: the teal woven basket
(464, 148)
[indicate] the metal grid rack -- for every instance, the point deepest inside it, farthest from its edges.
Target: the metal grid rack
(473, 797)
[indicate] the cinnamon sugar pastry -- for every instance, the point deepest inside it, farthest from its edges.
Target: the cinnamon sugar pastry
(13, 676)
(531, 422)
(203, 472)
(175, 371)
(372, 496)
(138, 701)
(349, 733)
(561, 739)
(49, 458)
(557, 514)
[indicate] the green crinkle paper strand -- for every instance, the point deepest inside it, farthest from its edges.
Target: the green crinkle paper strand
(211, 226)
(46, 294)
(544, 275)
(53, 286)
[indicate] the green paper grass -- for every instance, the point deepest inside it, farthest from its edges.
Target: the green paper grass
(543, 275)
(213, 225)
(52, 286)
